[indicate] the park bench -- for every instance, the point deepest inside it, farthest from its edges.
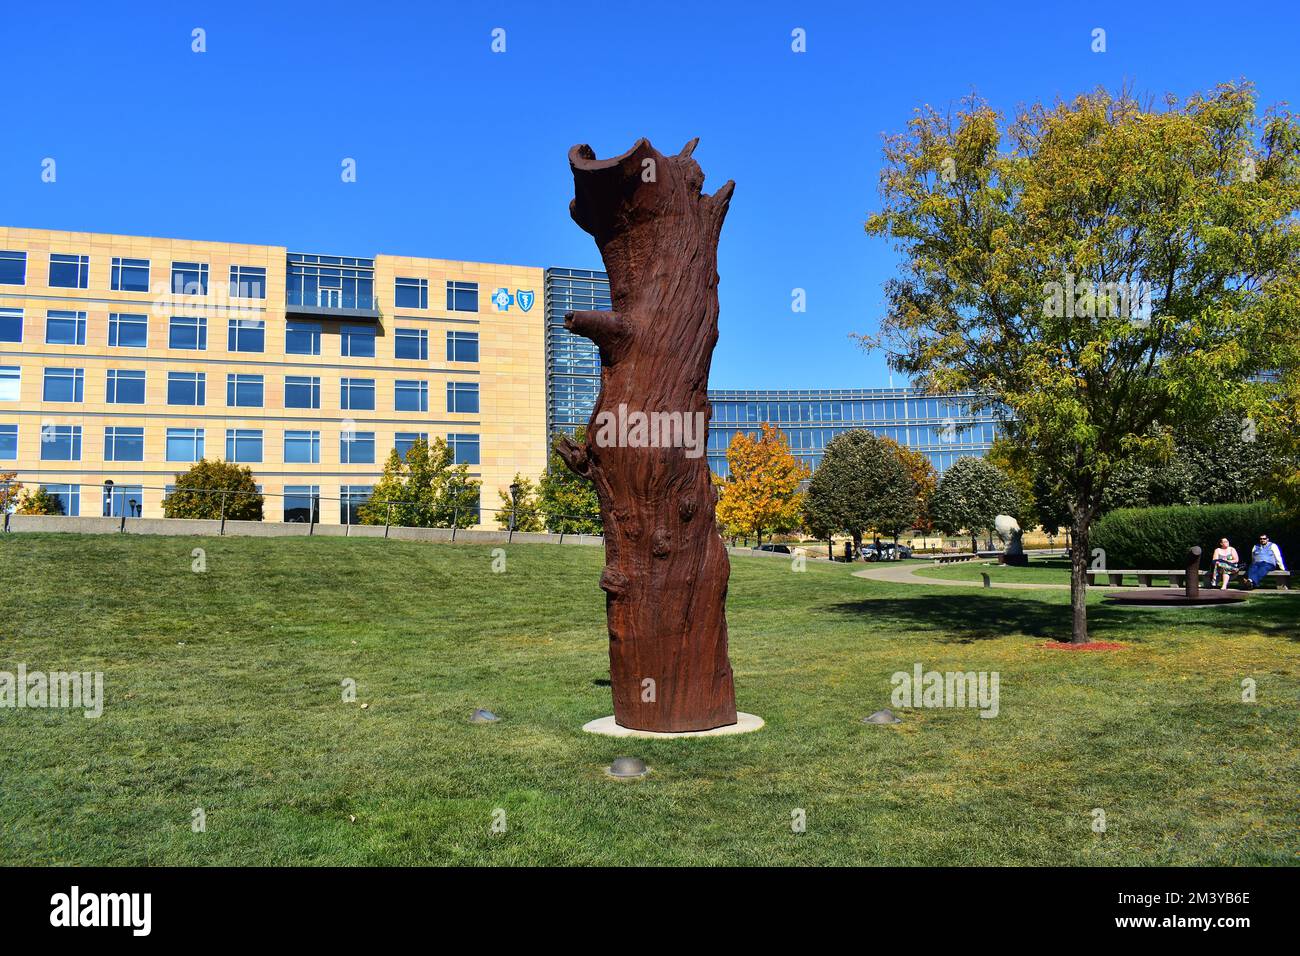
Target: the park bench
(1176, 578)
(951, 558)
(1144, 576)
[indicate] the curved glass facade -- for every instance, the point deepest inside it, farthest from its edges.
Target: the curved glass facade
(945, 427)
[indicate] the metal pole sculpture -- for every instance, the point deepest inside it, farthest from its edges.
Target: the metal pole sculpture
(666, 566)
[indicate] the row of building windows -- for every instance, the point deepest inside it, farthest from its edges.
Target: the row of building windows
(127, 387)
(190, 333)
(301, 502)
(126, 443)
(311, 280)
(132, 275)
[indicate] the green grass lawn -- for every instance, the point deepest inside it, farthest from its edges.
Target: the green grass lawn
(223, 693)
(1049, 571)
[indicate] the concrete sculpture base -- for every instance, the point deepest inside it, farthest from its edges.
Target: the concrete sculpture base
(606, 727)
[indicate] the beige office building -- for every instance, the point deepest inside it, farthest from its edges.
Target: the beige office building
(126, 358)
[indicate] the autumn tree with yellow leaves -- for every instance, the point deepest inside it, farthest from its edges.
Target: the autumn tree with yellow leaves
(762, 492)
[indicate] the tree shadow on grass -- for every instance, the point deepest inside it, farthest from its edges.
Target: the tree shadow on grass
(965, 618)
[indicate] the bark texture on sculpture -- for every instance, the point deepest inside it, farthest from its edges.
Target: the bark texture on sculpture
(666, 567)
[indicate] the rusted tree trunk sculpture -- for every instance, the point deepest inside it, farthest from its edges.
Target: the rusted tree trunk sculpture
(666, 567)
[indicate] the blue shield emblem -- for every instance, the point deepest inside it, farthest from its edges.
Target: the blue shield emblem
(524, 298)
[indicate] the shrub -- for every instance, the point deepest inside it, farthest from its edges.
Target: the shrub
(194, 493)
(1160, 537)
(39, 502)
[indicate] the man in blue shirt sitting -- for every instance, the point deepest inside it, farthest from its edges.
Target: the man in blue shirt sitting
(1264, 557)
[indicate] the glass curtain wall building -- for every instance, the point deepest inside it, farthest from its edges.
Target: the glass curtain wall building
(944, 427)
(572, 362)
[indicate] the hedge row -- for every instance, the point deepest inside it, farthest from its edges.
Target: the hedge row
(1160, 537)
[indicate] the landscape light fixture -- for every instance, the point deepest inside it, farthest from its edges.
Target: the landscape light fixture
(627, 768)
(885, 716)
(481, 716)
(514, 507)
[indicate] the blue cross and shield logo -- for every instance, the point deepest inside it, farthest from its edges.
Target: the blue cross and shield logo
(524, 298)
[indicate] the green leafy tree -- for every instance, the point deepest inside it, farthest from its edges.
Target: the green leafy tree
(1224, 461)
(861, 484)
(424, 489)
(970, 494)
(1102, 267)
(39, 502)
(197, 492)
(528, 517)
(568, 501)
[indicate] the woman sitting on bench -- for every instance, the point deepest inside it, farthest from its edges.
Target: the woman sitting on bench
(1226, 563)
(1264, 557)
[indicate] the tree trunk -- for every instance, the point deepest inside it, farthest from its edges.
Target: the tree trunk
(1079, 559)
(666, 566)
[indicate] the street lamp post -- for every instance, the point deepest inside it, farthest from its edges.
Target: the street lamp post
(514, 508)
(108, 497)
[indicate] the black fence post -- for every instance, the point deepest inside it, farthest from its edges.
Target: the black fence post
(223, 514)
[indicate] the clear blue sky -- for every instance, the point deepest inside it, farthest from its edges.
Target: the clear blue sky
(461, 152)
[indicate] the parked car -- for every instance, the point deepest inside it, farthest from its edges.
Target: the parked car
(775, 548)
(886, 552)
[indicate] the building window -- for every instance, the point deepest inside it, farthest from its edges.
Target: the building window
(123, 444)
(65, 328)
(10, 380)
(330, 282)
(60, 443)
(411, 344)
(244, 444)
(357, 448)
(302, 503)
(64, 385)
(11, 325)
(412, 396)
(69, 272)
(464, 449)
(190, 278)
(403, 441)
(462, 346)
(188, 332)
(13, 268)
(302, 448)
(244, 391)
(462, 296)
(69, 498)
(411, 293)
(247, 282)
(302, 338)
(125, 387)
(358, 341)
(462, 397)
(186, 388)
(246, 335)
(358, 393)
(128, 331)
(301, 391)
(352, 497)
(125, 501)
(130, 275)
(8, 442)
(184, 444)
